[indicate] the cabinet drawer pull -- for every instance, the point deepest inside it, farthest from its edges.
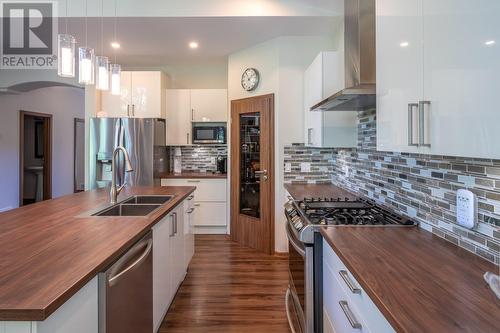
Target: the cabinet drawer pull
(190, 211)
(197, 205)
(345, 276)
(350, 316)
(193, 181)
(411, 107)
(422, 107)
(191, 197)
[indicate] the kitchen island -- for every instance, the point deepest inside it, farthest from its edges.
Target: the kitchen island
(51, 249)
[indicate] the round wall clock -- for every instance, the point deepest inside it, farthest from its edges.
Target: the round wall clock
(250, 79)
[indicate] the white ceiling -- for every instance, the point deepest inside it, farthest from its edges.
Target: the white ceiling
(154, 42)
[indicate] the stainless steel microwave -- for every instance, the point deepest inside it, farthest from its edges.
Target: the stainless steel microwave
(209, 133)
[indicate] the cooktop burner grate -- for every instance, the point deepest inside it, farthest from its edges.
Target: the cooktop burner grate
(326, 211)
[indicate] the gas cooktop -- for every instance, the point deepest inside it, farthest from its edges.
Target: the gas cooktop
(308, 214)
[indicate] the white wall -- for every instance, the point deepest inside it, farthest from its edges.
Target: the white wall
(281, 63)
(200, 75)
(65, 104)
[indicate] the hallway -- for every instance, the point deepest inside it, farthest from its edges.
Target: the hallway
(230, 289)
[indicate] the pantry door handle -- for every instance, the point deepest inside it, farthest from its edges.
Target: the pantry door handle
(345, 276)
(411, 107)
(350, 316)
(422, 107)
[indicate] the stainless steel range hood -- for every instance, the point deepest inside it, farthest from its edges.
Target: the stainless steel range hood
(359, 58)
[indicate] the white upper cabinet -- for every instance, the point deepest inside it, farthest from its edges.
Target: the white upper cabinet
(209, 105)
(178, 117)
(322, 78)
(461, 71)
(118, 106)
(148, 94)
(399, 73)
(185, 106)
(142, 96)
(439, 59)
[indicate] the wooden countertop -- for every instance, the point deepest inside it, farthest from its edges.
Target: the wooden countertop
(301, 191)
(420, 282)
(194, 175)
(49, 250)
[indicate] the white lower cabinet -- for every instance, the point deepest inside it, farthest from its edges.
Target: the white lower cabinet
(78, 315)
(346, 306)
(169, 264)
(210, 204)
(189, 210)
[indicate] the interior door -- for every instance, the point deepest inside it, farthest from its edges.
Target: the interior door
(252, 172)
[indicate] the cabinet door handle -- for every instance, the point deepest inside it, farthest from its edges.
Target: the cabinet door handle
(309, 136)
(411, 107)
(133, 110)
(350, 316)
(172, 227)
(187, 138)
(422, 107)
(191, 197)
(190, 211)
(128, 110)
(175, 223)
(192, 114)
(345, 276)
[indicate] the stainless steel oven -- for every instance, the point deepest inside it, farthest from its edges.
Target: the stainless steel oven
(209, 133)
(300, 292)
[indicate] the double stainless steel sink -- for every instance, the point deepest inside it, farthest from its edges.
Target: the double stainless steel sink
(138, 205)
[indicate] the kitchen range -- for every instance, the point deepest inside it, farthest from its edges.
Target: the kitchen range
(304, 298)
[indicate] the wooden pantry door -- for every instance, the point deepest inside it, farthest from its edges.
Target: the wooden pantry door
(252, 172)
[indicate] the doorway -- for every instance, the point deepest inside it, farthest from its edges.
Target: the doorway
(252, 172)
(35, 157)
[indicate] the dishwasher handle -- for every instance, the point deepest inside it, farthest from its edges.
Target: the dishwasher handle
(115, 277)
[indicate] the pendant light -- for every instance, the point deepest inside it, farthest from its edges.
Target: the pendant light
(102, 62)
(66, 51)
(115, 69)
(86, 58)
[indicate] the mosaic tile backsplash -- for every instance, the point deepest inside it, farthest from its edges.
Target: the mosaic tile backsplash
(198, 158)
(422, 187)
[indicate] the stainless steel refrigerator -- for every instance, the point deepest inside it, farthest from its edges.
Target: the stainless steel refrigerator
(144, 140)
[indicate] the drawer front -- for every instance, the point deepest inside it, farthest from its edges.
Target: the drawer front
(206, 189)
(209, 214)
(345, 318)
(355, 293)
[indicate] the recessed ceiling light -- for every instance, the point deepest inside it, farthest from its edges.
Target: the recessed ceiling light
(404, 44)
(489, 43)
(115, 45)
(193, 45)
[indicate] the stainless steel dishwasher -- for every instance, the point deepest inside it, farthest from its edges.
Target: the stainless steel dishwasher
(126, 291)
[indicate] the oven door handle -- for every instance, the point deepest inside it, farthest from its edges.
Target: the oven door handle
(292, 241)
(287, 306)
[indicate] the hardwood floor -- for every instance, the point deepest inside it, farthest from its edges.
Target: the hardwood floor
(230, 288)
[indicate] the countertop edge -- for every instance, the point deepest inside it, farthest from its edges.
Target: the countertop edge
(366, 286)
(44, 313)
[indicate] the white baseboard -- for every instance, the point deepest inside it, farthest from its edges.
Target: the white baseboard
(4, 209)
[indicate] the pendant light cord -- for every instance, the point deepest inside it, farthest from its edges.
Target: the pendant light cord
(86, 24)
(102, 24)
(114, 51)
(66, 18)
